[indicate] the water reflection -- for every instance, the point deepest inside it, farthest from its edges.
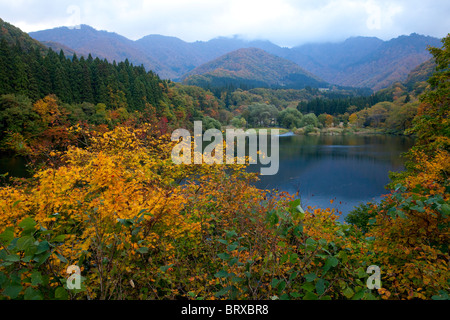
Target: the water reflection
(346, 169)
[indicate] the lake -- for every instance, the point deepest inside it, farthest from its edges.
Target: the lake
(346, 169)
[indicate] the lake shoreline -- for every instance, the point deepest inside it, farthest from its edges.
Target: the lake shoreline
(347, 132)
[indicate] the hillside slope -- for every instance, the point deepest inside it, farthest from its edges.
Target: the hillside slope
(101, 44)
(13, 35)
(365, 62)
(252, 67)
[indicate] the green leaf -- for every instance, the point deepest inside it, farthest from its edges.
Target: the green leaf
(445, 210)
(32, 294)
(331, 262)
(308, 287)
(294, 204)
(285, 297)
(310, 244)
(222, 292)
(293, 258)
(361, 273)
(273, 218)
(12, 291)
(36, 278)
(16, 203)
(27, 224)
(136, 231)
(282, 244)
(61, 258)
(369, 296)
(3, 279)
(233, 261)
(125, 222)
(165, 268)
(310, 277)
(221, 274)
(24, 243)
(7, 236)
(320, 286)
(42, 258)
(281, 286)
(237, 279)
(443, 295)
(12, 258)
(143, 250)
(42, 247)
(298, 230)
(224, 256)
(59, 239)
(295, 295)
(310, 296)
(61, 294)
(284, 258)
(348, 292)
(342, 255)
(231, 234)
(274, 283)
(293, 276)
(358, 295)
(144, 212)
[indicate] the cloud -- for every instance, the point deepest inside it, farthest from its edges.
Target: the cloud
(285, 22)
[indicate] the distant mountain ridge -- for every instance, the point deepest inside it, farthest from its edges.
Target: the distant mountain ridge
(365, 62)
(359, 61)
(102, 44)
(252, 67)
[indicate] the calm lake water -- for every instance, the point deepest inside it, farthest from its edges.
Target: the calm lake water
(346, 169)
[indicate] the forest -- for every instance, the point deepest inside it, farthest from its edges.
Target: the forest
(106, 197)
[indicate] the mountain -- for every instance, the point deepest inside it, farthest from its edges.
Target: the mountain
(13, 35)
(102, 44)
(358, 61)
(176, 56)
(170, 57)
(57, 47)
(365, 62)
(252, 67)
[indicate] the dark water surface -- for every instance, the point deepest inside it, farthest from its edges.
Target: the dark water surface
(14, 166)
(346, 169)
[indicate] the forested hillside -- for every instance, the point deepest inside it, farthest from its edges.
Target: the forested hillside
(13, 35)
(253, 68)
(44, 93)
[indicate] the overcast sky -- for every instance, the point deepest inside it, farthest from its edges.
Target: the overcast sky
(284, 22)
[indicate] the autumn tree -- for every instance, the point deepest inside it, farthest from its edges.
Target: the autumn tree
(432, 124)
(410, 231)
